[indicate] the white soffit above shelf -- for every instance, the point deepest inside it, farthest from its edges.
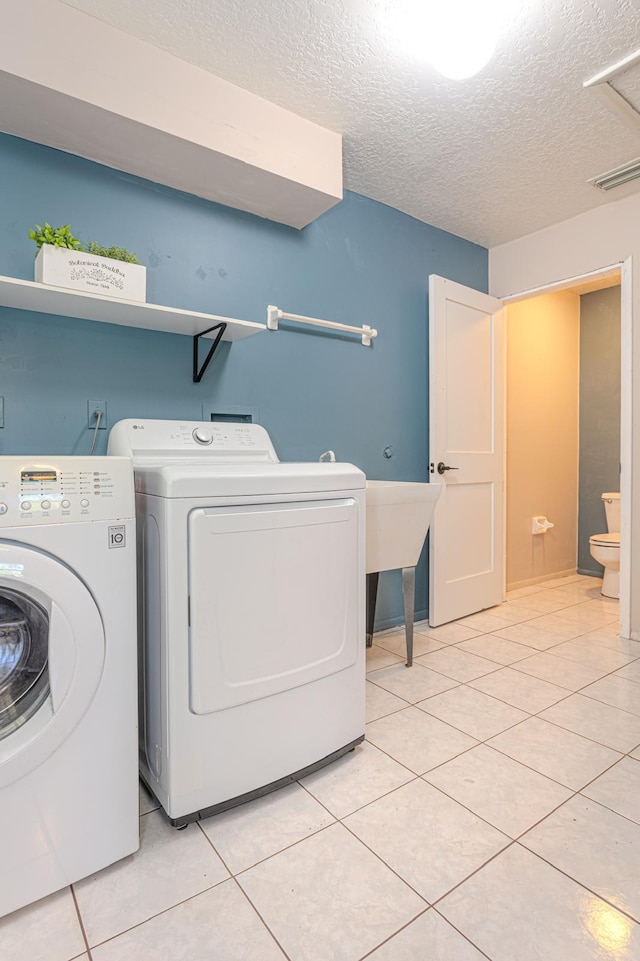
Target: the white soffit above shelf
(70, 81)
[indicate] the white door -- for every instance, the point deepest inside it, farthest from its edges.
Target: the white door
(466, 442)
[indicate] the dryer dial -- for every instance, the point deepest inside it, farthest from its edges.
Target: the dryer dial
(202, 436)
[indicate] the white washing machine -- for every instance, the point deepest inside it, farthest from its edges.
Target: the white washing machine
(251, 613)
(68, 693)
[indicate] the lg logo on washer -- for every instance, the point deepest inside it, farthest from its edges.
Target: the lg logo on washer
(117, 537)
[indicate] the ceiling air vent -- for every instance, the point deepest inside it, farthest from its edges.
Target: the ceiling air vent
(618, 176)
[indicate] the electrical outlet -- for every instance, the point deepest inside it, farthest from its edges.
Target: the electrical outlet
(92, 406)
(1, 411)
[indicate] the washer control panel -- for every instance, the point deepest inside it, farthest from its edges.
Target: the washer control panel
(64, 489)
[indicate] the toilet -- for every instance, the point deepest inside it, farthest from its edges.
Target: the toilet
(605, 548)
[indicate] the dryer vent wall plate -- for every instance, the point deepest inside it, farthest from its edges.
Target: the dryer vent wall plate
(226, 418)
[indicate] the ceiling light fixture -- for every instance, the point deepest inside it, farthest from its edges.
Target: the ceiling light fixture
(618, 176)
(458, 37)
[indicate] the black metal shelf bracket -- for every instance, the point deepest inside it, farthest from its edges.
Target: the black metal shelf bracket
(198, 372)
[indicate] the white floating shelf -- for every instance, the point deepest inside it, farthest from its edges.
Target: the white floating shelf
(28, 295)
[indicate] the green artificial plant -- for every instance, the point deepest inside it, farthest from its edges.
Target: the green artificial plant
(56, 236)
(62, 237)
(113, 253)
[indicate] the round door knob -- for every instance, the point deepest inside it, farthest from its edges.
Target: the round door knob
(442, 467)
(202, 436)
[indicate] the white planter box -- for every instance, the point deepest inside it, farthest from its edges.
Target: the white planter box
(75, 270)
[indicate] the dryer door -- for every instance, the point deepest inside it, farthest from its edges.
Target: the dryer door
(274, 598)
(51, 656)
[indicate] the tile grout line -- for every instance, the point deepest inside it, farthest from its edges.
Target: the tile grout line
(388, 866)
(440, 763)
(404, 927)
(585, 887)
(80, 922)
(548, 776)
(285, 954)
(435, 905)
(538, 714)
(503, 731)
(510, 624)
(413, 920)
(590, 800)
(336, 821)
(166, 910)
(495, 827)
(472, 874)
(541, 710)
(573, 791)
(158, 914)
(420, 777)
(339, 820)
(462, 934)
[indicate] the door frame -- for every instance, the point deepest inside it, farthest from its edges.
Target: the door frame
(624, 270)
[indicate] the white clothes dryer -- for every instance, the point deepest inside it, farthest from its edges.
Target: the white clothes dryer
(68, 692)
(251, 612)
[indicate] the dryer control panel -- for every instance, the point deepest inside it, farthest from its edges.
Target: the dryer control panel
(158, 442)
(35, 490)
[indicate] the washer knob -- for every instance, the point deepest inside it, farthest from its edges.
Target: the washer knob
(202, 436)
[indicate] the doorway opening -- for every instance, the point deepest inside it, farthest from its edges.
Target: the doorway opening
(618, 275)
(566, 407)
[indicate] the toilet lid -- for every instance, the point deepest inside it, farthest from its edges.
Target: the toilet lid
(607, 540)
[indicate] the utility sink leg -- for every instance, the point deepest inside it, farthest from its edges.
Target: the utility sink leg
(372, 594)
(409, 594)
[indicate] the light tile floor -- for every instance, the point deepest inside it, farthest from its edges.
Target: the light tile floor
(492, 812)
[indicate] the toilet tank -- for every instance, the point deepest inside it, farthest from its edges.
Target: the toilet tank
(612, 508)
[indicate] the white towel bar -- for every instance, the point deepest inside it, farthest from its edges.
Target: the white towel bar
(274, 314)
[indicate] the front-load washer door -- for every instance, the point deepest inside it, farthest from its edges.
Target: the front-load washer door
(274, 598)
(51, 656)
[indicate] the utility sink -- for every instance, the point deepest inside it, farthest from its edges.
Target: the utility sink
(398, 518)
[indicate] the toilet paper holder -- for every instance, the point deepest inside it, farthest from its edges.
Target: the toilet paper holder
(540, 524)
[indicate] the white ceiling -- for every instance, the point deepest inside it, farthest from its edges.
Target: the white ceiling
(490, 159)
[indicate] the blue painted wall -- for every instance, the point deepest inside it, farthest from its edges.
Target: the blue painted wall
(361, 262)
(599, 416)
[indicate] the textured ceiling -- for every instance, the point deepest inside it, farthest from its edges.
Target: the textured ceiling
(490, 159)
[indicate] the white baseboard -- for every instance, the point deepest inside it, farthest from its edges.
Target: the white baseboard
(516, 585)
